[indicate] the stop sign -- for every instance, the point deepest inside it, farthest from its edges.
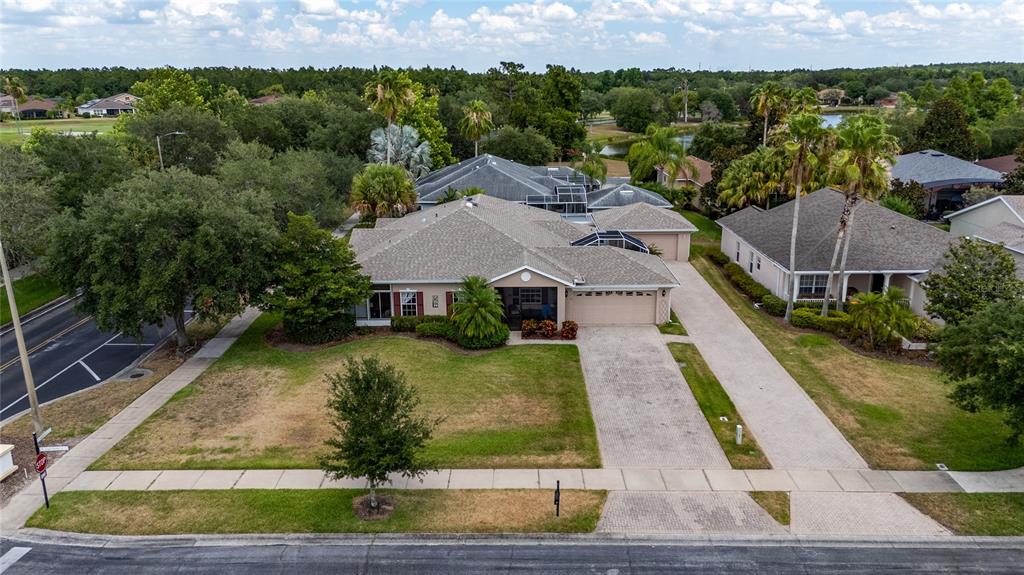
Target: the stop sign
(40, 462)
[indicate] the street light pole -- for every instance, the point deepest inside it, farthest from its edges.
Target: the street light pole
(30, 384)
(159, 150)
(686, 100)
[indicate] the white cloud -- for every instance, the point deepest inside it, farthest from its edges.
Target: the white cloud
(30, 6)
(318, 6)
(649, 38)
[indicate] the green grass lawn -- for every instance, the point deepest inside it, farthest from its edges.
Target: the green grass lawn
(30, 292)
(265, 407)
(998, 514)
(776, 503)
(16, 132)
(317, 511)
(715, 403)
(708, 232)
(896, 415)
(673, 326)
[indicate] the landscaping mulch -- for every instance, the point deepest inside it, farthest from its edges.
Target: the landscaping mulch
(367, 512)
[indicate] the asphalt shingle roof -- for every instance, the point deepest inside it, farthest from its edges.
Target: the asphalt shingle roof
(1010, 235)
(499, 177)
(642, 217)
(1001, 164)
(935, 169)
(881, 238)
(492, 238)
(624, 195)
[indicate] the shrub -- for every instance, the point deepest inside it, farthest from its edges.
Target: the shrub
(442, 329)
(569, 329)
(837, 322)
(717, 256)
(548, 328)
(927, 330)
(495, 340)
(338, 327)
(529, 328)
(774, 305)
(405, 323)
(745, 283)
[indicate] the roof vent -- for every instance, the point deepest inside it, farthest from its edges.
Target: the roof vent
(625, 191)
(937, 154)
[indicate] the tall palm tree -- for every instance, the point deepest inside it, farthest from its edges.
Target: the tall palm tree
(805, 134)
(390, 93)
(15, 88)
(591, 163)
(382, 190)
(478, 313)
(662, 151)
(804, 100)
(476, 123)
(865, 150)
(753, 179)
(767, 98)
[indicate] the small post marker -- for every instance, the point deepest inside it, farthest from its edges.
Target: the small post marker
(558, 497)
(41, 468)
(739, 435)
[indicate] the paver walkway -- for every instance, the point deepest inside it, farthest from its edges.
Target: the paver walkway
(645, 414)
(73, 464)
(857, 514)
(790, 428)
(685, 513)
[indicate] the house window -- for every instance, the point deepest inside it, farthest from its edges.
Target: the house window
(758, 262)
(408, 300)
(813, 285)
(750, 263)
(529, 296)
(380, 305)
(737, 252)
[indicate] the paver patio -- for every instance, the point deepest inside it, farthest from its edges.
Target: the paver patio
(685, 513)
(645, 414)
(790, 428)
(859, 514)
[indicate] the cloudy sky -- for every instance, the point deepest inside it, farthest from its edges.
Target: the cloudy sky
(589, 35)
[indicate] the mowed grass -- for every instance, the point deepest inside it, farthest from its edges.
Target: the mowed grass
(264, 407)
(673, 326)
(708, 232)
(776, 503)
(30, 292)
(317, 511)
(997, 514)
(896, 415)
(16, 132)
(714, 404)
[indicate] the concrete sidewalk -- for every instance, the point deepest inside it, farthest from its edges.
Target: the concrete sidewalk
(622, 479)
(72, 465)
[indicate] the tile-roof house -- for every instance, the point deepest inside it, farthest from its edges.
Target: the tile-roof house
(945, 177)
(887, 248)
(542, 265)
(998, 220)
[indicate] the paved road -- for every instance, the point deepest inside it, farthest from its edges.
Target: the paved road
(68, 353)
(534, 557)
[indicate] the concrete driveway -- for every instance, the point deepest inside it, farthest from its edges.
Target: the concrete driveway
(645, 414)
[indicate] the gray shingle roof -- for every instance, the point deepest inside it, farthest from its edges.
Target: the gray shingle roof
(624, 195)
(499, 177)
(935, 169)
(881, 239)
(493, 238)
(642, 217)
(1010, 235)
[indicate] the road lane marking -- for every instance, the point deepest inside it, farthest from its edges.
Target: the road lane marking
(134, 344)
(40, 312)
(48, 341)
(89, 369)
(12, 556)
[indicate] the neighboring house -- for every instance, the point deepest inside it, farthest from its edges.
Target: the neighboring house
(945, 177)
(543, 266)
(1003, 164)
(264, 100)
(654, 226)
(624, 194)
(890, 101)
(116, 105)
(704, 173)
(37, 108)
(886, 249)
(998, 220)
(7, 104)
(831, 96)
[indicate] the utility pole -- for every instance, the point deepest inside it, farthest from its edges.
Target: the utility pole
(686, 100)
(30, 384)
(159, 150)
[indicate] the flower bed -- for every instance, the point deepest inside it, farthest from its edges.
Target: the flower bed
(547, 329)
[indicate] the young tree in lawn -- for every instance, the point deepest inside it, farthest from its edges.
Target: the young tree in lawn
(984, 359)
(390, 93)
(373, 409)
(383, 190)
(975, 274)
(476, 123)
(148, 248)
(316, 283)
(866, 149)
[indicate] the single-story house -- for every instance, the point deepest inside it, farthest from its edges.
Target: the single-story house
(38, 108)
(543, 266)
(998, 220)
(624, 194)
(886, 248)
(945, 177)
(654, 226)
(890, 101)
(7, 104)
(123, 103)
(703, 174)
(1002, 164)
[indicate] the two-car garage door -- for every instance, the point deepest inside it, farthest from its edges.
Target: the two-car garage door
(611, 307)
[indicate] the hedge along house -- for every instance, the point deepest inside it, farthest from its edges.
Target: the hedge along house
(945, 178)
(542, 266)
(886, 248)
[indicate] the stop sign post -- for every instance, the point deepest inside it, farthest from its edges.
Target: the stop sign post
(41, 468)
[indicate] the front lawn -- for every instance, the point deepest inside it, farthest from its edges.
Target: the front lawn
(30, 292)
(895, 414)
(999, 514)
(708, 232)
(317, 511)
(265, 407)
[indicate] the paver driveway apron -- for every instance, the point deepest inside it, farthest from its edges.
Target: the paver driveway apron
(645, 414)
(790, 428)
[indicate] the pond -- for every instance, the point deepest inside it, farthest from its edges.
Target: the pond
(623, 149)
(832, 120)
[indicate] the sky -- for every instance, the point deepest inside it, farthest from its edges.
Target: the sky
(588, 35)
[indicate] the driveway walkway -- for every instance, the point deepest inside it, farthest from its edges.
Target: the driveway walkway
(790, 428)
(645, 414)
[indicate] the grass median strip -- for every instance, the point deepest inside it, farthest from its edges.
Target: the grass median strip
(896, 415)
(715, 403)
(317, 511)
(30, 292)
(999, 514)
(673, 326)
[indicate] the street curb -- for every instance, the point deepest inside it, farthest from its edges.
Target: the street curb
(46, 536)
(41, 310)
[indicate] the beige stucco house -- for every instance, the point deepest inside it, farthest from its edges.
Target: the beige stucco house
(544, 266)
(998, 220)
(886, 249)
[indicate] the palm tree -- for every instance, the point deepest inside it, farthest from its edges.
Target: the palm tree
(401, 145)
(753, 179)
(476, 123)
(478, 311)
(662, 151)
(804, 100)
(767, 98)
(15, 88)
(805, 133)
(390, 93)
(865, 151)
(591, 163)
(383, 190)
(882, 317)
